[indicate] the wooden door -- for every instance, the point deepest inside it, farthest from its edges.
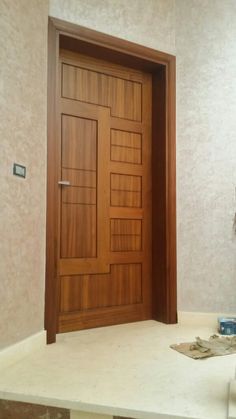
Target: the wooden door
(104, 167)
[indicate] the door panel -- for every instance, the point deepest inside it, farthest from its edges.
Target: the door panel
(79, 143)
(78, 230)
(104, 264)
(122, 286)
(123, 97)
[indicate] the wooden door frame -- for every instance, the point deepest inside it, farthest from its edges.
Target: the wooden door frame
(69, 36)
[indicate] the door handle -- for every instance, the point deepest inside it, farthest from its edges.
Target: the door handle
(64, 182)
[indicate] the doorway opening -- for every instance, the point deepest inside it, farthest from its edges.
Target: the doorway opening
(111, 192)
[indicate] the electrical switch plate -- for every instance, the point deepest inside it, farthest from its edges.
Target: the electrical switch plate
(19, 170)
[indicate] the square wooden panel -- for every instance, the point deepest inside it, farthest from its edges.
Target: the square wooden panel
(126, 147)
(126, 190)
(126, 235)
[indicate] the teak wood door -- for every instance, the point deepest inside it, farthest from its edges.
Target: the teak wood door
(104, 174)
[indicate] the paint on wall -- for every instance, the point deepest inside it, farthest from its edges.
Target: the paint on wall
(202, 34)
(206, 154)
(23, 95)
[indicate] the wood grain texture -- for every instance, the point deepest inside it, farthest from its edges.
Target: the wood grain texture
(147, 197)
(80, 39)
(103, 66)
(79, 195)
(126, 147)
(92, 286)
(78, 236)
(80, 178)
(78, 231)
(51, 286)
(126, 235)
(126, 190)
(162, 67)
(164, 284)
(79, 143)
(84, 284)
(122, 286)
(123, 97)
(84, 224)
(171, 311)
(18, 410)
(107, 316)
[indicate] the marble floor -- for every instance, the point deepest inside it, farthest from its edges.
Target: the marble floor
(125, 370)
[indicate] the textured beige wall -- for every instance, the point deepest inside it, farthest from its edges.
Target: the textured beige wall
(23, 49)
(148, 22)
(202, 34)
(206, 154)
(205, 35)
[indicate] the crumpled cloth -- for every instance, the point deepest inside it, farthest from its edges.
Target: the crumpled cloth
(214, 346)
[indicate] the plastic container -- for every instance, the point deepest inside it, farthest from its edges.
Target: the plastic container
(227, 325)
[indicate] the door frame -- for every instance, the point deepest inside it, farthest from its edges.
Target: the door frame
(76, 38)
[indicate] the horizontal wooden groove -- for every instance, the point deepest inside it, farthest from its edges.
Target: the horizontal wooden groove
(117, 168)
(126, 213)
(126, 125)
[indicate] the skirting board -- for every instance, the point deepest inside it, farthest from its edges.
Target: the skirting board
(190, 318)
(19, 350)
(84, 415)
(232, 400)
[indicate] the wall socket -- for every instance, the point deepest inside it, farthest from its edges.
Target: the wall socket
(19, 170)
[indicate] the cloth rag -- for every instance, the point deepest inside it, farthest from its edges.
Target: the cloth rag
(214, 346)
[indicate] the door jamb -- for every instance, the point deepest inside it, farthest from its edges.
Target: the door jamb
(163, 69)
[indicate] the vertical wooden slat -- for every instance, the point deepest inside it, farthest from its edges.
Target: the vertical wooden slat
(51, 290)
(164, 196)
(171, 195)
(147, 230)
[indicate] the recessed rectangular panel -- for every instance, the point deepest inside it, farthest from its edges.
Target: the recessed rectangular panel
(125, 226)
(125, 154)
(124, 97)
(78, 231)
(126, 147)
(126, 139)
(125, 182)
(79, 195)
(83, 178)
(125, 199)
(122, 286)
(70, 293)
(126, 235)
(127, 243)
(79, 143)
(126, 190)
